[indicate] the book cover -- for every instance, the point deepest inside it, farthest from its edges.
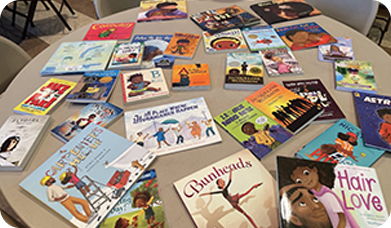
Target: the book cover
(227, 41)
(172, 127)
(154, 46)
(280, 62)
(141, 201)
(253, 129)
(343, 50)
(190, 77)
(84, 179)
(262, 38)
(94, 87)
(100, 114)
(319, 194)
(110, 31)
(374, 114)
(159, 10)
(243, 71)
(143, 85)
(354, 75)
(314, 91)
(46, 97)
(182, 45)
(236, 191)
(19, 137)
(79, 57)
(303, 36)
(126, 55)
(287, 108)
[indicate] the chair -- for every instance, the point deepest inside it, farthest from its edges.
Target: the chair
(357, 14)
(104, 8)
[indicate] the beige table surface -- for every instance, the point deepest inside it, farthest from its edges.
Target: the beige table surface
(173, 167)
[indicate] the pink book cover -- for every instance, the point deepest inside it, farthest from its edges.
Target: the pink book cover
(110, 31)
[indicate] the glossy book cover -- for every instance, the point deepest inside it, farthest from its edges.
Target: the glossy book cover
(227, 41)
(182, 45)
(110, 31)
(280, 62)
(190, 77)
(262, 38)
(343, 50)
(159, 10)
(126, 55)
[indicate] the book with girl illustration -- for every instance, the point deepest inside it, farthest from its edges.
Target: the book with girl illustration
(262, 38)
(110, 31)
(190, 77)
(342, 50)
(126, 55)
(227, 41)
(160, 10)
(280, 62)
(182, 45)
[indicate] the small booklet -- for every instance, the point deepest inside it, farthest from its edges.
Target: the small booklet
(343, 50)
(190, 77)
(126, 55)
(160, 10)
(280, 62)
(227, 41)
(110, 31)
(182, 45)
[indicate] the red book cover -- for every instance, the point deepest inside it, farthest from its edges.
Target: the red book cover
(110, 31)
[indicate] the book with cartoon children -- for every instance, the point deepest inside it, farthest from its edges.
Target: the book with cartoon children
(236, 191)
(190, 77)
(280, 62)
(159, 10)
(182, 45)
(143, 85)
(126, 55)
(172, 127)
(110, 31)
(374, 114)
(319, 194)
(84, 179)
(262, 38)
(19, 136)
(227, 41)
(101, 114)
(342, 50)
(141, 206)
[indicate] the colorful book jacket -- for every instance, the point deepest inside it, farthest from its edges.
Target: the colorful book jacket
(100, 114)
(159, 10)
(227, 41)
(314, 91)
(94, 87)
(143, 85)
(191, 77)
(93, 171)
(262, 38)
(19, 137)
(236, 191)
(253, 129)
(154, 45)
(182, 45)
(172, 127)
(126, 55)
(46, 97)
(355, 76)
(374, 114)
(319, 194)
(303, 36)
(287, 108)
(129, 209)
(280, 62)
(110, 31)
(79, 57)
(278, 11)
(343, 50)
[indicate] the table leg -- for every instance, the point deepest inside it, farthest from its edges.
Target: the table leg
(30, 15)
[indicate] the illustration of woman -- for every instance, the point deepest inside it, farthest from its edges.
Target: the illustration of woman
(71, 177)
(6, 148)
(195, 129)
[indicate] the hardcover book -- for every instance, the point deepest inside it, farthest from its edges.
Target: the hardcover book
(182, 45)
(46, 97)
(100, 114)
(343, 50)
(110, 31)
(262, 38)
(236, 191)
(159, 10)
(319, 194)
(85, 178)
(227, 41)
(126, 55)
(190, 77)
(19, 136)
(280, 62)
(172, 127)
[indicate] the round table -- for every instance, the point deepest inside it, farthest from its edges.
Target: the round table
(171, 168)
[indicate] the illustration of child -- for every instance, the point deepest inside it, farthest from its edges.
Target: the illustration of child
(224, 43)
(261, 136)
(180, 47)
(144, 200)
(282, 67)
(385, 127)
(209, 127)
(71, 177)
(140, 138)
(82, 123)
(184, 80)
(6, 148)
(177, 132)
(335, 51)
(160, 137)
(138, 85)
(302, 39)
(195, 129)
(166, 9)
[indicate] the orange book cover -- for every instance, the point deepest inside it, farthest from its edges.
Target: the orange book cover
(190, 76)
(183, 45)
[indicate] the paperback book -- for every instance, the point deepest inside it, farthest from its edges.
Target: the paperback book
(159, 10)
(126, 55)
(343, 50)
(227, 41)
(280, 62)
(190, 77)
(110, 31)
(182, 45)
(262, 38)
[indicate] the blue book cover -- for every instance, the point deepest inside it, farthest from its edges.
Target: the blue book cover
(262, 38)
(341, 143)
(343, 50)
(84, 179)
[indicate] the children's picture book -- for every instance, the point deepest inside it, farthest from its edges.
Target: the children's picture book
(154, 46)
(343, 50)
(303, 36)
(101, 114)
(341, 143)
(243, 71)
(143, 85)
(253, 129)
(287, 108)
(19, 136)
(159, 10)
(190, 77)
(79, 57)
(319, 194)
(126, 55)
(280, 62)
(182, 45)
(222, 19)
(94, 87)
(354, 75)
(227, 41)
(45, 98)
(110, 31)
(172, 127)
(84, 179)
(314, 91)
(141, 206)
(262, 38)
(278, 11)
(374, 114)
(236, 191)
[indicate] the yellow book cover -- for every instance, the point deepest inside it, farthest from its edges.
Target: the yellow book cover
(190, 76)
(182, 45)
